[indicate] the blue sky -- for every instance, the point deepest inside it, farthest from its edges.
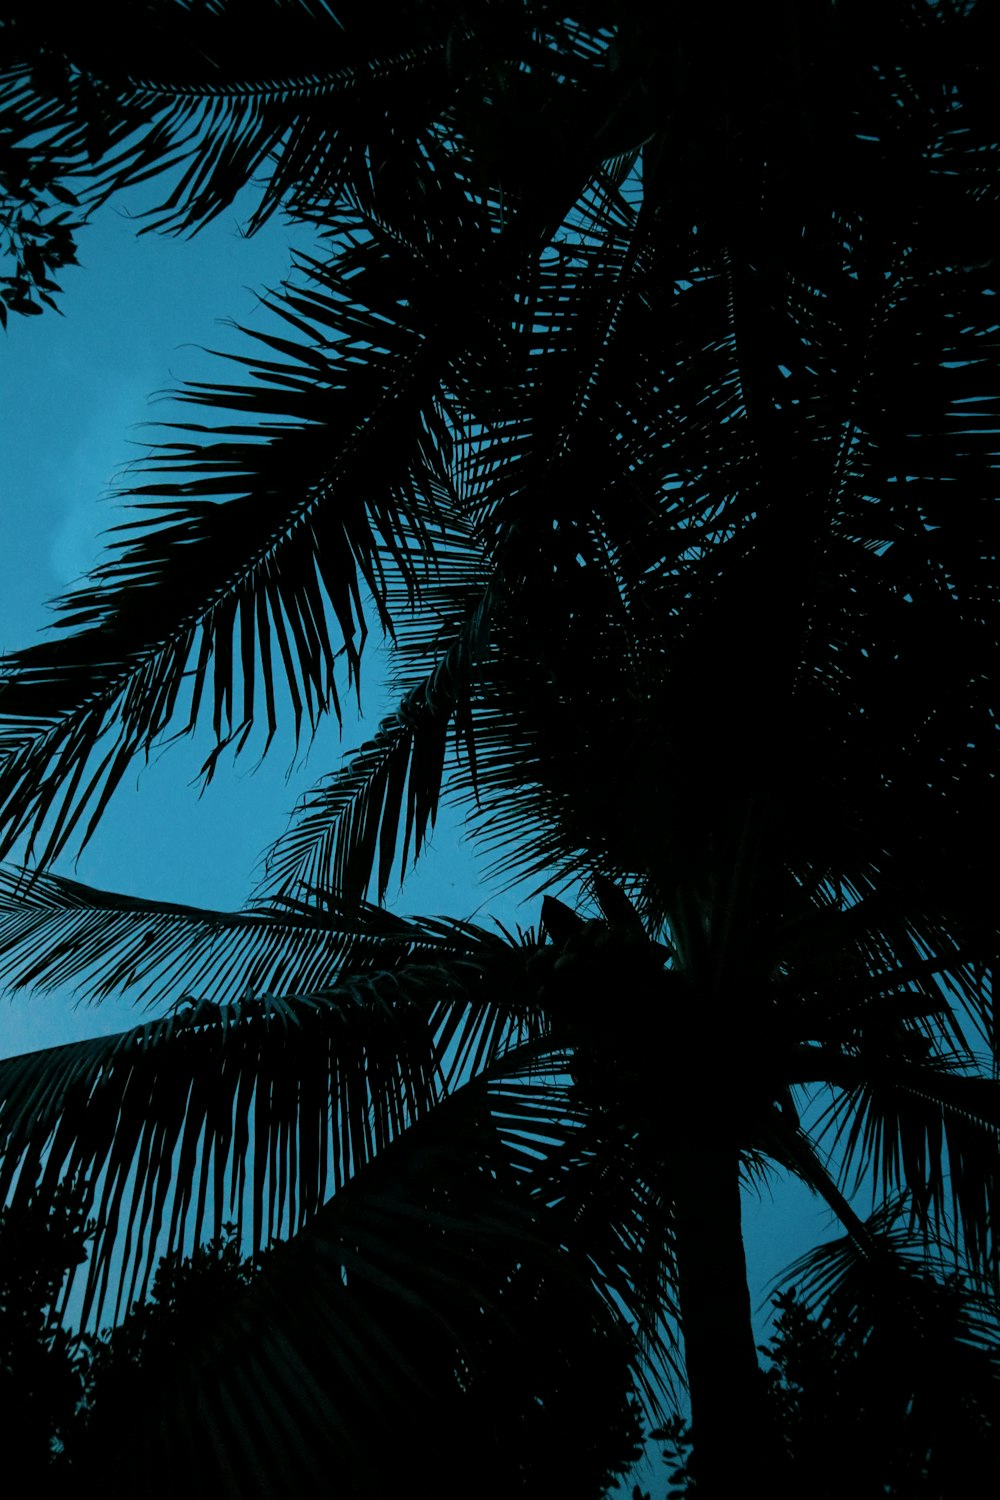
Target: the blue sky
(75, 392)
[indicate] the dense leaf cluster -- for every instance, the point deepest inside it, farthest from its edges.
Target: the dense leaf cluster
(893, 1394)
(644, 391)
(554, 1379)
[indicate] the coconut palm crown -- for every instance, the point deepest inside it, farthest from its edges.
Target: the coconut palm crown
(645, 393)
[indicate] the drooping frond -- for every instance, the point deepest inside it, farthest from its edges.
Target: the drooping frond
(245, 576)
(347, 828)
(931, 1129)
(618, 1215)
(896, 1353)
(56, 934)
(853, 1290)
(453, 1279)
(313, 106)
(253, 1110)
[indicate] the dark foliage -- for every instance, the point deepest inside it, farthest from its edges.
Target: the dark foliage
(646, 381)
(44, 1369)
(893, 1390)
(545, 1399)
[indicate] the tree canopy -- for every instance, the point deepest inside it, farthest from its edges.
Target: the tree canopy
(643, 392)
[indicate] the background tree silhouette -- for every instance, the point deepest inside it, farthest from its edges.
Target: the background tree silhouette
(78, 1404)
(42, 1367)
(883, 1374)
(648, 387)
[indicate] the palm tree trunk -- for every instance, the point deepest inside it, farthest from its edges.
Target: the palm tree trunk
(731, 1424)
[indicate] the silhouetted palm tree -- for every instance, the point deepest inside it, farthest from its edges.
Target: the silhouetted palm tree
(649, 389)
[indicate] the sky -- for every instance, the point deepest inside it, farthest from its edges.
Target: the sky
(76, 395)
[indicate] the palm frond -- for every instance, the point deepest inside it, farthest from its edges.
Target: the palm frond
(348, 826)
(259, 534)
(347, 1306)
(719, 523)
(931, 1131)
(616, 1216)
(347, 829)
(211, 105)
(320, 107)
(56, 933)
(252, 1110)
(851, 1288)
(896, 1350)
(852, 958)
(406, 1299)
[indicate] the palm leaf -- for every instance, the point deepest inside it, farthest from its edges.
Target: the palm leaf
(319, 107)
(56, 933)
(283, 1098)
(351, 1313)
(929, 1130)
(257, 533)
(853, 1290)
(347, 828)
(268, 529)
(399, 1296)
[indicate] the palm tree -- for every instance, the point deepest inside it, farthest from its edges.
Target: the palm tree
(648, 389)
